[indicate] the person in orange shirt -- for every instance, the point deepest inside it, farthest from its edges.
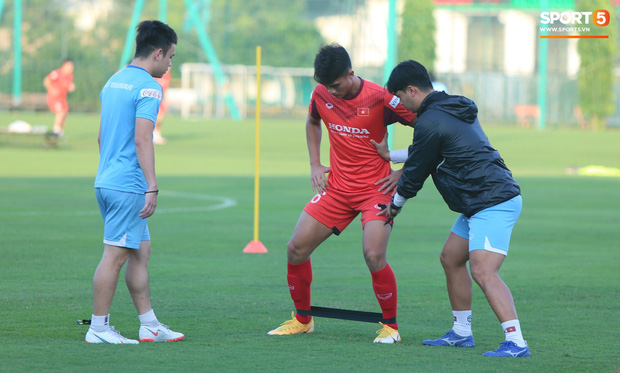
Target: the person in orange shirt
(164, 81)
(354, 112)
(58, 84)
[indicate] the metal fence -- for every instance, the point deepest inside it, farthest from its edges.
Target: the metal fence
(286, 92)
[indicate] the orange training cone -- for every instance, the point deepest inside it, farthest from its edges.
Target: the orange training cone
(255, 247)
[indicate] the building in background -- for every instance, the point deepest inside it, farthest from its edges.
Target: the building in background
(488, 50)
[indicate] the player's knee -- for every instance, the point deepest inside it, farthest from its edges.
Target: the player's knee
(482, 275)
(450, 262)
(113, 262)
(375, 261)
(296, 253)
(445, 261)
(291, 247)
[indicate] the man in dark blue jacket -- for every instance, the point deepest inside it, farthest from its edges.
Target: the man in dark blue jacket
(450, 145)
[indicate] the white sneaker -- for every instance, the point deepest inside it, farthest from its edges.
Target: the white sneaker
(161, 333)
(109, 336)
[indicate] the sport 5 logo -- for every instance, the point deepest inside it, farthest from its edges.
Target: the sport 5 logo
(598, 18)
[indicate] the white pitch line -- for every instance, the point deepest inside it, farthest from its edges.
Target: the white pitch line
(221, 203)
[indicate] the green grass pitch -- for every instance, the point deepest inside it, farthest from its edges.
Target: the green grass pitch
(563, 267)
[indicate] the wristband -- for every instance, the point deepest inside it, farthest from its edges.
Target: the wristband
(152, 191)
(399, 156)
(397, 200)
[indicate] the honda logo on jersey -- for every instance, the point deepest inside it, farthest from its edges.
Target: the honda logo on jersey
(348, 131)
(363, 111)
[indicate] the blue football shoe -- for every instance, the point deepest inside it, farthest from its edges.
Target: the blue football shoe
(509, 349)
(451, 339)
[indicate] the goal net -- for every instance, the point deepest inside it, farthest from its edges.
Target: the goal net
(285, 92)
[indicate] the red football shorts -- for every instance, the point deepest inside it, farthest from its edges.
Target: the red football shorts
(57, 105)
(337, 209)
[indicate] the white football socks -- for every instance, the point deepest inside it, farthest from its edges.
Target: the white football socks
(462, 323)
(100, 323)
(149, 319)
(512, 329)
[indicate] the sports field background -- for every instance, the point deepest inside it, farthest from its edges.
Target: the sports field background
(563, 267)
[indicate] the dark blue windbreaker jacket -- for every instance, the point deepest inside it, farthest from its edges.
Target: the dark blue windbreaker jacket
(450, 145)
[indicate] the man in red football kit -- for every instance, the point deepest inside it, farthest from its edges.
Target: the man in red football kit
(58, 83)
(354, 111)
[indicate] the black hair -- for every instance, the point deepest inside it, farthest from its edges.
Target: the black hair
(331, 62)
(409, 73)
(153, 35)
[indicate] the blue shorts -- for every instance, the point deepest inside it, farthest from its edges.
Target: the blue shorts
(123, 226)
(490, 229)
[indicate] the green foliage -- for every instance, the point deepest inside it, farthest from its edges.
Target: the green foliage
(417, 38)
(43, 43)
(596, 74)
(235, 27)
(49, 35)
(287, 39)
(97, 57)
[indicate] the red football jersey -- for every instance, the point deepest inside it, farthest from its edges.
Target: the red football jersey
(61, 82)
(351, 123)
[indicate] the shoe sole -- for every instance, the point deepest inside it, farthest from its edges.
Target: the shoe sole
(448, 345)
(394, 341)
(169, 340)
(109, 343)
(432, 342)
(509, 355)
(310, 330)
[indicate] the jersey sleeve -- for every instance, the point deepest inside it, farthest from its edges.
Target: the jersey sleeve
(394, 111)
(148, 101)
(312, 110)
(54, 76)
